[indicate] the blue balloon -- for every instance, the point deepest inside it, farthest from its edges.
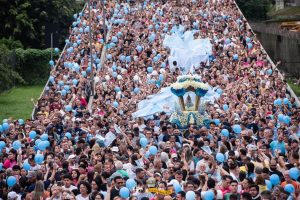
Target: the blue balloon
(250, 45)
(143, 142)
(74, 81)
(37, 142)
(235, 57)
(56, 50)
(286, 101)
(109, 56)
(11, 181)
(83, 73)
(38, 158)
(114, 74)
(268, 184)
(115, 104)
(44, 137)
(217, 122)
(289, 188)
(248, 40)
(5, 126)
(149, 69)
(153, 150)
(42, 145)
(163, 65)
(47, 143)
(128, 59)
(68, 108)
(68, 135)
(122, 58)
(60, 83)
(161, 77)
(225, 107)
(269, 71)
(177, 187)
(32, 134)
(280, 117)
(2, 144)
(286, 120)
(209, 195)
(275, 180)
(130, 183)
(139, 48)
(220, 157)
(237, 128)
(219, 91)
(63, 92)
(136, 90)
(294, 173)
(21, 121)
(67, 87)
(26, 166)
(51, 62)
(225, 132)
(190, 195)
(114, 39)
(124, 192)
(117, 89)
(16, 145)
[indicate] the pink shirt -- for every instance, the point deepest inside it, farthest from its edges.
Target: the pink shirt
(9, 163)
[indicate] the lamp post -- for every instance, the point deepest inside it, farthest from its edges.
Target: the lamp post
(91, 55)
(103, 20)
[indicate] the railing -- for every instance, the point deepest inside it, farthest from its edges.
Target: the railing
(271, 61)
(55, 67)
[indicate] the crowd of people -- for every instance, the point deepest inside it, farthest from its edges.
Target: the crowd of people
(71, 152)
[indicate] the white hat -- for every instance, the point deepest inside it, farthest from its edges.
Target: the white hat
(12, 195)
(72, 156)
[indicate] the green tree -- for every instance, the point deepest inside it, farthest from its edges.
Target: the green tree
(255, 9)
(8, 76)
(26, 20)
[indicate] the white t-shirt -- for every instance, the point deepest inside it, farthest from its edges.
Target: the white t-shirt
(80, 197)
(72, 187)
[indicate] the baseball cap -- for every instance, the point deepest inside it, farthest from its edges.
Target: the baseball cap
(12, 195)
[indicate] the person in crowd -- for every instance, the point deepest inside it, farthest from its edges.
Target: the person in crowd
(82, 144)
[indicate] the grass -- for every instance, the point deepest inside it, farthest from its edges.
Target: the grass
(16, 103)
(294, 87)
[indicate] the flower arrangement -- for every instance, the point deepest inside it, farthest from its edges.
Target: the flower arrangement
(184, 78)
(187, 82)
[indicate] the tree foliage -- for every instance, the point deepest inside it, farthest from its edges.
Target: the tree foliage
(8, 76)
(27, 20)
(255, 9)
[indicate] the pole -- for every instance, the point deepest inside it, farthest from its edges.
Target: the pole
(103, 21)
(91, 54)
(51, 46)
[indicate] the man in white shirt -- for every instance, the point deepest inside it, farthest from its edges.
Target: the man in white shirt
(68, 184)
